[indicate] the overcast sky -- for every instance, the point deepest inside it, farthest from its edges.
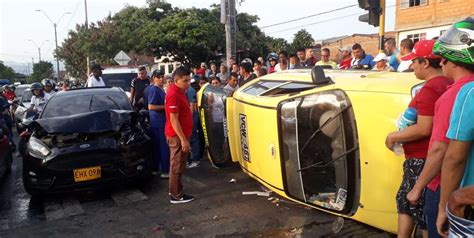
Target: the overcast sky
(20, 22)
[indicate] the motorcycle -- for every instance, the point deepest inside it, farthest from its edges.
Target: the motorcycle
(25, 135)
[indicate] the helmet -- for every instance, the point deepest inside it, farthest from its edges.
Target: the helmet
(47, 82)
(6, 86)
(36, 86)
(272, 56)
(457, 43)
(247, 60)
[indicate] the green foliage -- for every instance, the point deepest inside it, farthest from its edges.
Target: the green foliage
(41, 70)
(189, 36)
(278, 44)
(302, 39)
(6, 72)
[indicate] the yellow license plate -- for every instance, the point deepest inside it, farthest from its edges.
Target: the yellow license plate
(86, 174)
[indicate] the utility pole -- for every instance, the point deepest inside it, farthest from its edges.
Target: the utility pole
(55, 24)
(382, 27)
(230, 28)
(87, 28)
(39, 47)
(56, 40)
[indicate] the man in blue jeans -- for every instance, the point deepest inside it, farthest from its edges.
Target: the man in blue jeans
(156, 108)
(194, 157)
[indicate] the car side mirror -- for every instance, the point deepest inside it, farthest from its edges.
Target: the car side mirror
(319, 77)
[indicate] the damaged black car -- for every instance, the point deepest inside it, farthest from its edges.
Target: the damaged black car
(84, 139)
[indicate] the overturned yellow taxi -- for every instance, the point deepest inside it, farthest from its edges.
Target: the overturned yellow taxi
(315, 137)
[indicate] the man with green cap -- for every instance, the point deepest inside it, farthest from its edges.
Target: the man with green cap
(457, 174)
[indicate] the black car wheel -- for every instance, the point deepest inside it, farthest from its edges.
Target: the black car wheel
(26, 184)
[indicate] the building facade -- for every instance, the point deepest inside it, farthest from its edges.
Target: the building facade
(426, 19)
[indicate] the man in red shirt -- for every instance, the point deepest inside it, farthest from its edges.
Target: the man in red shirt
(416, 138)
(346, 58)
(178, 130)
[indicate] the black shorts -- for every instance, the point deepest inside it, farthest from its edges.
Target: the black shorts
(412, 168)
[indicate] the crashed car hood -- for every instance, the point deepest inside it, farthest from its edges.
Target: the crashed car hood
(92, 122)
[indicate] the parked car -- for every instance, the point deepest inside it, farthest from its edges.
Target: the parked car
(315, 137)
(19, 89)
(119, 77)
(84, 139)
(6, 157)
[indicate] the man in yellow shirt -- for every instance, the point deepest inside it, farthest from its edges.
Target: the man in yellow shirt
(325, 54)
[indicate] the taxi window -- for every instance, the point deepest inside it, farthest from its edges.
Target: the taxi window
(262, 86)
(288, 88)
(277, 88)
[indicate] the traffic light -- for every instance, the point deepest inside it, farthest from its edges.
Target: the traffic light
(373, 17)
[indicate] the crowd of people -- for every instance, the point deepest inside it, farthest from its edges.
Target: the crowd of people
(438, 173)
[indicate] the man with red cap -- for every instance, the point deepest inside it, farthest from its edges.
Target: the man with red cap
(418, 140)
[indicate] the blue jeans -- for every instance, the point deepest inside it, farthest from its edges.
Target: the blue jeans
(431, 211)
(161, 151)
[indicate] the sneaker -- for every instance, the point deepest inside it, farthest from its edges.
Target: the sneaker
(184, 199)
(155, 173)
(193, 164)
(164, 175)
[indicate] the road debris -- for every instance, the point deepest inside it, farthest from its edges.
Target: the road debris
(258, 193)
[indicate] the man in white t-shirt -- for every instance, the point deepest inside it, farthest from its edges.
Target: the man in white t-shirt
(406, 47)
(95, 80)
(39, 98)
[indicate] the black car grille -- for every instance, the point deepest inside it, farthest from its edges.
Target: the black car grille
(83, 160)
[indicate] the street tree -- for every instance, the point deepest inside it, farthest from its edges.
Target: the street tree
(302, 39)
(188, 36)
(6, 72)
(41, 70)
(276, 45)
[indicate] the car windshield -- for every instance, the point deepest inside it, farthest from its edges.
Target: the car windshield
(120, 80)
(67, 105)
(26, 97)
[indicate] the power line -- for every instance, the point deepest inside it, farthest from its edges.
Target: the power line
(317, 14)
(314, 23)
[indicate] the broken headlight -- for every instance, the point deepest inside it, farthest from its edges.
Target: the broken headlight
(36, 146)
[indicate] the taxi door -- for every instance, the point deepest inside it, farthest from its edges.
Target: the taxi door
(212, 113)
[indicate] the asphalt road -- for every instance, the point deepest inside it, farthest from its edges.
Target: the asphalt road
(220, 210)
